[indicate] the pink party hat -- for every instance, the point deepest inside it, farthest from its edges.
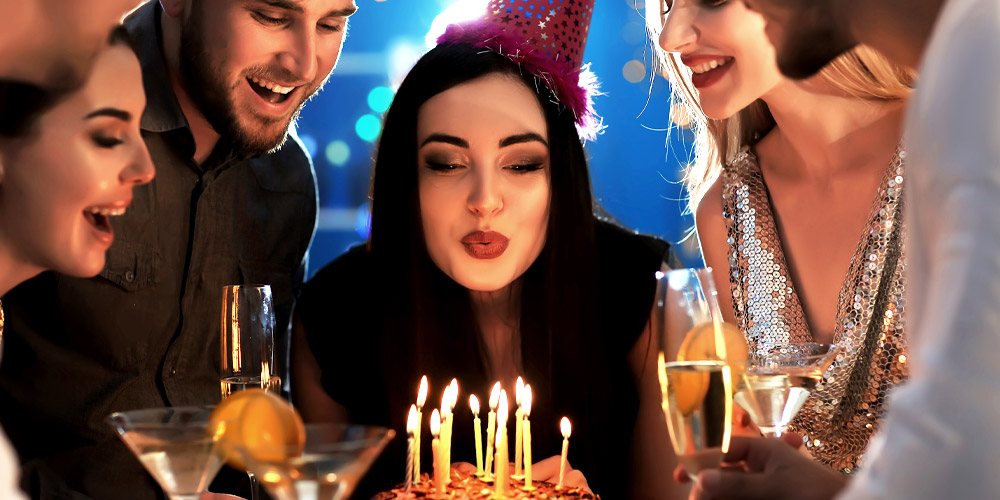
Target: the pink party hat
(546, 38)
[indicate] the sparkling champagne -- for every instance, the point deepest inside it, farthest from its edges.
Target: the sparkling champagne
(697, 400)
(772, 399)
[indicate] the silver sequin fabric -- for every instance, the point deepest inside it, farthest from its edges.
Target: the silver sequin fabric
(844, 410)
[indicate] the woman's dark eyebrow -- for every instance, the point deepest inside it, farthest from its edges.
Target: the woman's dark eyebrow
(521, 138)
(112, 112)
(293, 6)
(447, 139)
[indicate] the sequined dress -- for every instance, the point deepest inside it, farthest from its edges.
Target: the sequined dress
(843, 412)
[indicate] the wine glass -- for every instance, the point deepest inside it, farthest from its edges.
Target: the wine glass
(778, 380)
(248, 344)
(330, 466)
(178, 446)
(699, 360)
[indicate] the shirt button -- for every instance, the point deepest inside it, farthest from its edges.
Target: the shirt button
(129, 276)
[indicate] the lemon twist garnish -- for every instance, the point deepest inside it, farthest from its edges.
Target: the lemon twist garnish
(261, 426)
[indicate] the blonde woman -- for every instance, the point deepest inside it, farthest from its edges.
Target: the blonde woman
(796, 189)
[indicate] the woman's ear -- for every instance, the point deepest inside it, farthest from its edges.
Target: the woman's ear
(176, 8)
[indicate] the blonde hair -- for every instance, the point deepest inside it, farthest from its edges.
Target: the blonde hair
(862, 73)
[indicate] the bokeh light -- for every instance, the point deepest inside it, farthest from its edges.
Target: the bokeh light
(634, 71)
(380, 98)
(338, 153)
(368, 127)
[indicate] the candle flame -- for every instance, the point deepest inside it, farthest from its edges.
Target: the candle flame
(435, 423)
(454, 393)
(526, 401)
(518, 391)
(498, 438)
(474, 404)
(495, 396)
(411, 421)
(503, 410)
(422, 393)
(565, 427)
(446, 402)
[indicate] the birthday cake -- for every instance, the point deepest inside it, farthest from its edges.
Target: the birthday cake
(467, 486)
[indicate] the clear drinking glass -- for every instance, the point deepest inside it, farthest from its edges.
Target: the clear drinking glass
(248, 339)
(178, 446)
(695, 372)
(248, 345)
(334, 459)
(779, 379)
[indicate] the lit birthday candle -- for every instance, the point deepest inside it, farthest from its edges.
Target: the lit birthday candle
(566, 429)
(440, 472)
(411, 429)
(477, 429)
(518, 437)
(421, 399)
(491, 425)
(445, 435)
(452, 401)
(526, 404)
(503, 464)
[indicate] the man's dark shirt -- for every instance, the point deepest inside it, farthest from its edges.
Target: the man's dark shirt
(145, 333)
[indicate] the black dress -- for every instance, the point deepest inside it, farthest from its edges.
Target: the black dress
(367, 363)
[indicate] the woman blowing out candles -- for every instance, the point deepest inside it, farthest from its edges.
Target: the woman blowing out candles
(486, 262)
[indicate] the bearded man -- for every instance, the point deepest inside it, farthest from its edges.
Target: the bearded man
(234, 202)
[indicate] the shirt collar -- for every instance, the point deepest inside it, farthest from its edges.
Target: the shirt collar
(163, 113)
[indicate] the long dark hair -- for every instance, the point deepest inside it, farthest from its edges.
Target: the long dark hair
(559, 324)
(22, 103)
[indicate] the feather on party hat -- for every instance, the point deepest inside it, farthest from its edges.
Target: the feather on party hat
(545, 38)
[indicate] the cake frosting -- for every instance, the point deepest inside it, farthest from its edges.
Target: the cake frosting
(467, 486)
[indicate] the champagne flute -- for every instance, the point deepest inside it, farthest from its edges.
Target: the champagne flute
(778, 381)
(695, 368)
(697, 401)
(248, 345)
(248, 339)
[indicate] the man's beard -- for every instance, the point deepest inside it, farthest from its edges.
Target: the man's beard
(206, 86)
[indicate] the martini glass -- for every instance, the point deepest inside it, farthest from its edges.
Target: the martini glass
(779, 379)
(335, 458)
(178, 446)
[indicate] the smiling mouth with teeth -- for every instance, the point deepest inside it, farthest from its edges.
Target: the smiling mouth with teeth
(100, 218)
(706, 67)
(270, 91)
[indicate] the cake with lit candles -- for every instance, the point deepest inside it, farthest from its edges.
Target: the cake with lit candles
(465, 485)
(495, 480)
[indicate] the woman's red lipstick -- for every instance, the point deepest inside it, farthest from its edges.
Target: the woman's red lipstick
(485, 244)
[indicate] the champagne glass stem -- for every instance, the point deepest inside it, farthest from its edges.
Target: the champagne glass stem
(254, 487)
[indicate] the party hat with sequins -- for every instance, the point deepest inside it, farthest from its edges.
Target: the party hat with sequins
(545, 38)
